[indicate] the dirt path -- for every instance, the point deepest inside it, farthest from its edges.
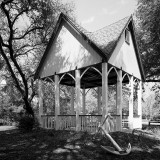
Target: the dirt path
(6, 128)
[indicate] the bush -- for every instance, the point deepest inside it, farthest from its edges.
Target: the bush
(156, 118)
(27, 123)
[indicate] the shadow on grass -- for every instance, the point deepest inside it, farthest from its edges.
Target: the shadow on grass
(71, 145)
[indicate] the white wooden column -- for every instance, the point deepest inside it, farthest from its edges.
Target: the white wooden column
(78, 99)
(72, 100)
(99, 99)
(57, 100)
(140, 103)
(119, 101)
(41, 96)
(84, 101)
(131, 103)
(104, 89)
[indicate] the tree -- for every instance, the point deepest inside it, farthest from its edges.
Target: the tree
(21, 46)
(148, 31)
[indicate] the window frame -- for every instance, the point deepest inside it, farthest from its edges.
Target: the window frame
(127, 36)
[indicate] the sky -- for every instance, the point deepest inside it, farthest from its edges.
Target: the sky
(96, 14)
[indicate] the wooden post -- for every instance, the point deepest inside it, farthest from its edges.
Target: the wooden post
(84, 101)
(104, 91)
(78, 99)
(41, 95)
(140, 103)
(131, 103)
(72, 100)
(99, 99)
(57, 100)
(119, 101)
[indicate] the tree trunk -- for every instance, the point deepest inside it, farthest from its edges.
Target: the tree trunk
(28, 108)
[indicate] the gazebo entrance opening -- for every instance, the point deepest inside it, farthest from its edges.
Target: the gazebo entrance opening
(104, 78)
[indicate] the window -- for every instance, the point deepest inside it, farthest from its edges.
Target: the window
(127, 38)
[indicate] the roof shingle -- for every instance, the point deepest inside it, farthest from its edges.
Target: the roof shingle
(107, 37)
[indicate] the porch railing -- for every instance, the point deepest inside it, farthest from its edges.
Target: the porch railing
(88, 123)
(67, 121)
(125, 121)
(48, 121)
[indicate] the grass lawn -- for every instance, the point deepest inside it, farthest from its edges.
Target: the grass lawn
(71, 145)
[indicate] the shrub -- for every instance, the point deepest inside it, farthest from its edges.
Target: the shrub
(27, 123)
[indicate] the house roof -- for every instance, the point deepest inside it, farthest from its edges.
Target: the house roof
(103, 40)
(107, 37)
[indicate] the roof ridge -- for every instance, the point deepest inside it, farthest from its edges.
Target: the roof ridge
(112, 23)
(75, 23)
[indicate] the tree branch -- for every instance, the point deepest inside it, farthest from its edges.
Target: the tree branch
(10, 68)
(11, 52)
(24, 53)
(27, 32)
(8, 19)
(24, 46)
(20, 13)
(2, 42)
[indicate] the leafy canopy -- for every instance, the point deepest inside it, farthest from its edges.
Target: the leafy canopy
(25, 29)
(148, 16)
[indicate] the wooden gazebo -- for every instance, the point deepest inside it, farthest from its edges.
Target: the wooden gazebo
(82, 59)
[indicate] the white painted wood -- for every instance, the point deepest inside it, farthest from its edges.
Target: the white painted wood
(67, 52)
(84, 101)
(119, 101)
(99, 99)
(131, 103)
(124, 56)
(140, 103)
(41, 96)
(72, 101)
(57, 100)
(104, 91)
(78, 99)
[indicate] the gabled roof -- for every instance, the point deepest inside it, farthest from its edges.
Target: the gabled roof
(107, 37)
(103, 41)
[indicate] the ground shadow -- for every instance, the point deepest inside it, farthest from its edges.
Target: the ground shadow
(68, 145)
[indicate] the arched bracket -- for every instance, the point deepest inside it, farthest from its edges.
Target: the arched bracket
(90, 68)
(113, 68)
(65, 75)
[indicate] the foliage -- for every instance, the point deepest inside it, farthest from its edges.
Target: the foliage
(148, 31)
(25, 29)
(27, 123)
(91, 101)
(49, 97)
